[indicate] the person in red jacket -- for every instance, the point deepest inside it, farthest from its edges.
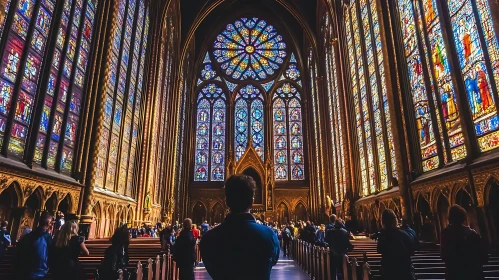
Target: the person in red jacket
(195, 231)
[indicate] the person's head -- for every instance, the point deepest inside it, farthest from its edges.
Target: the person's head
(405, 222)
(194, 226)
(239, 193)
(308, 224)
(67, 231)
(457, 215)
(45, 221)
(332, 218)
(5, 224)
(187, 225)
(389, 219)
(121, 237)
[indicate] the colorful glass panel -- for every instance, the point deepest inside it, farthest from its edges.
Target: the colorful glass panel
(424, 122)
(474, 71)
(280, 140)
(249, 48)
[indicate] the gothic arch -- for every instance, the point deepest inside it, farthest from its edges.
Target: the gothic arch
(491, 182)
(69, 200)
(16, 187)
(199, 212)
(217, 213)
(297, 208)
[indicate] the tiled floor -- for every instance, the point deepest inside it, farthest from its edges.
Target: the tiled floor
(286, 269)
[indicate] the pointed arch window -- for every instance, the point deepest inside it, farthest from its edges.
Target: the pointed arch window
(372, 112)
(249, 121)
(210, 134)
(124, 85)
(288, 134)
(249, 60)
(35, 69)
(335, 118)
(434, 91)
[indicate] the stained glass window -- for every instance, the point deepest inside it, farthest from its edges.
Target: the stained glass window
(249, 60)
(122, 97)
(210, 135)
(478, 78)
(376, 152)
(288, 134)
(312, 65)
(335, 119)
(249, 121)
(11, 70)
(249, 48)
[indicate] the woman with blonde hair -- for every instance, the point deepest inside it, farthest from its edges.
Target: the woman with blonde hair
(65, 251)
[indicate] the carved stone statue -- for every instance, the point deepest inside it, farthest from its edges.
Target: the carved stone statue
(147, 203)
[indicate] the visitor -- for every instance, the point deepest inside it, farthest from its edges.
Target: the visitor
(65, 251)
(116, 255)
(412, 234)
(320, 234)
(462, 249)
(168, 239)
(308, 234)
(26, 230)
(195, 231)
(396, 248)
(286, 240)
(4, 237)
(185, 251)
(31, 261)
(205, 227)
(239, 248)
(337, 239)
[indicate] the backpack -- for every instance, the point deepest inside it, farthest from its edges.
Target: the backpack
(4, 239)
(286, 234)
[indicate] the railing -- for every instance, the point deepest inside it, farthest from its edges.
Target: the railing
(316, 262)
(162, 268)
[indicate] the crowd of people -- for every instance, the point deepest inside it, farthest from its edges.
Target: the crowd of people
(242, 243)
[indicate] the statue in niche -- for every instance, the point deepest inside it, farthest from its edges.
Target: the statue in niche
(147, 203)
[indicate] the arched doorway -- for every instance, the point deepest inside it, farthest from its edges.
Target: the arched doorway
(258, 192)
(464, 200)
(300, 213)
(493, 211)
(282, 213)
(51, 204)
(217, 213)
(424, 220)
(198, 213)
(8, 202)
(64, 205)
(32, 208)
(443, 212)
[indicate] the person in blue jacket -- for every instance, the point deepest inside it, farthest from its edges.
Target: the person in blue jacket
(239, 248)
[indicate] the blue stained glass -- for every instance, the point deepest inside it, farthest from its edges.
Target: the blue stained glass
(230, 85)
(268, 86)
(249, 49)
(257, 131)
(207, 58)
(475, 74)
(241, 133)
(208, 73)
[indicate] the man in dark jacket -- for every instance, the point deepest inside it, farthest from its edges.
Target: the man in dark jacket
(462, 249)
(185, 251)
(338, 240)
(32, 251)
(308, 234)
(239, 248)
